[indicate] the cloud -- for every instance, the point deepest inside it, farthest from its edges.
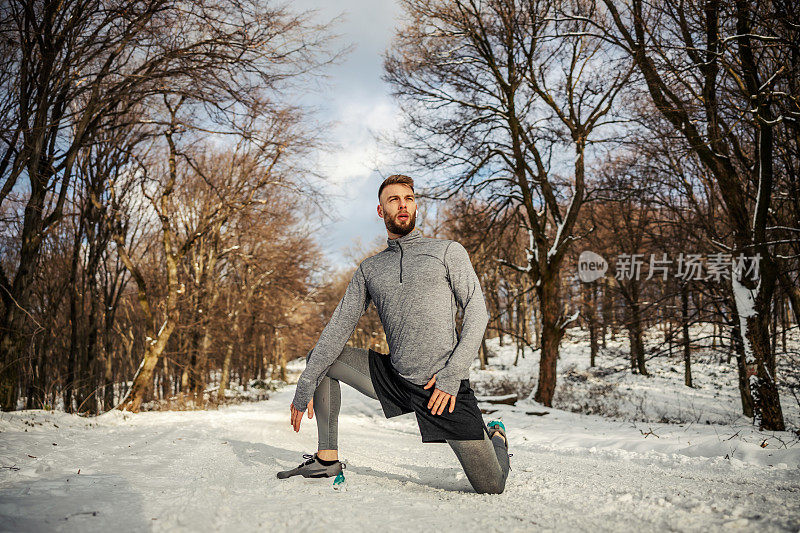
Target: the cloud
(358, 105)
(357, 153)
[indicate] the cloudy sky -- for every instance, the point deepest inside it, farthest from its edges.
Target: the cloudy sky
(359, 104)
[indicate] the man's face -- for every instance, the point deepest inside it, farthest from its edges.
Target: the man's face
(398, 208)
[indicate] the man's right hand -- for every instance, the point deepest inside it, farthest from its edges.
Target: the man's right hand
(297, 415)
(439, 399)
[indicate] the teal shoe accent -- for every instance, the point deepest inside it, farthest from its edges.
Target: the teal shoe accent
(340, 483)
(495, 423)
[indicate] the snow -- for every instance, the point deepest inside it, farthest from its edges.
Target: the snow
(560, 229)
(745, 298)
(532, 251)
(703, 422)
(745, 308)
(572, 318)
(215, 470)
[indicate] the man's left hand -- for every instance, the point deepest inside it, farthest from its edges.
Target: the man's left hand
(297, 416)
(439, 399)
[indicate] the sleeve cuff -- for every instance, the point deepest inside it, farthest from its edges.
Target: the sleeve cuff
(448, 385)
(302, 409)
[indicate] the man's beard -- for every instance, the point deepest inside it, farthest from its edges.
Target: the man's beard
(401, 230)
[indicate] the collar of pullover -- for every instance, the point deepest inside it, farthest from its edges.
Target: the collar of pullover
(411, 237)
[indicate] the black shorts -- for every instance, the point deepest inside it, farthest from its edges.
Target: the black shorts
(399, 396)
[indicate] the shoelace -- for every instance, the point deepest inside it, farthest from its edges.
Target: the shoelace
(509, 464)
(310, 459)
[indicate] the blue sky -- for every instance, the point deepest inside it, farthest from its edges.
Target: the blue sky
(359, 105)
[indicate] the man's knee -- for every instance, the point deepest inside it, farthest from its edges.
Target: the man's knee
(352, 353)
(355, 358)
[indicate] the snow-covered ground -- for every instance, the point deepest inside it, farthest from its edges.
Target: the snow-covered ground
(215, 470)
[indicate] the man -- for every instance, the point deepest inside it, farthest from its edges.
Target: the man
(416, 284)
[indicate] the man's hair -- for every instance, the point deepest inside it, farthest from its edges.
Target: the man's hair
(396, 178)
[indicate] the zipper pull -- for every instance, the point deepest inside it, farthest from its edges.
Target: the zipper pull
(401, 262)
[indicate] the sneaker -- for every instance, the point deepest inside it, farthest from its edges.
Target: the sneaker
(496, 426)
(313, 468)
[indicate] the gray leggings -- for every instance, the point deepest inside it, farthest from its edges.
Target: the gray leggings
(485, 462)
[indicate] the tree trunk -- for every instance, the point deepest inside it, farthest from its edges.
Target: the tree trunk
(753, 310)
(108, 363)
(226, 363)
(87, 368)
(280, 356)
(687, 352)
(519, 340)
(166, 382)
(36, 394)
(200, 370)
(635, 331)
(793, 292)
(526, 312)
(226, 368)
(15, 299)
(784, 323)
(608, 307)
(744, 382)
(143, 379)
(552, 331)
(590, 315)
(108, 379)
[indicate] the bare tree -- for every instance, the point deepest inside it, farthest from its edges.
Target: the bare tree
(494, 92)
(69, 68)
(718, 73)
(245, 179)
(73, 67)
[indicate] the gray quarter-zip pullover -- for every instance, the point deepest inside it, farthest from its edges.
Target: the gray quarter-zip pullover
(415, 284)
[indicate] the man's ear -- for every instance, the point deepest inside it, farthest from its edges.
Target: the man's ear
(380, 211)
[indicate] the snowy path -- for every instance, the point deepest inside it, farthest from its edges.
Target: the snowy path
(215, 470)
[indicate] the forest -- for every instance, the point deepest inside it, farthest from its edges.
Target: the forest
(158, 241)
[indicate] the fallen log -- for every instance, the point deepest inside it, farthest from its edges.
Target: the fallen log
(508, 399)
